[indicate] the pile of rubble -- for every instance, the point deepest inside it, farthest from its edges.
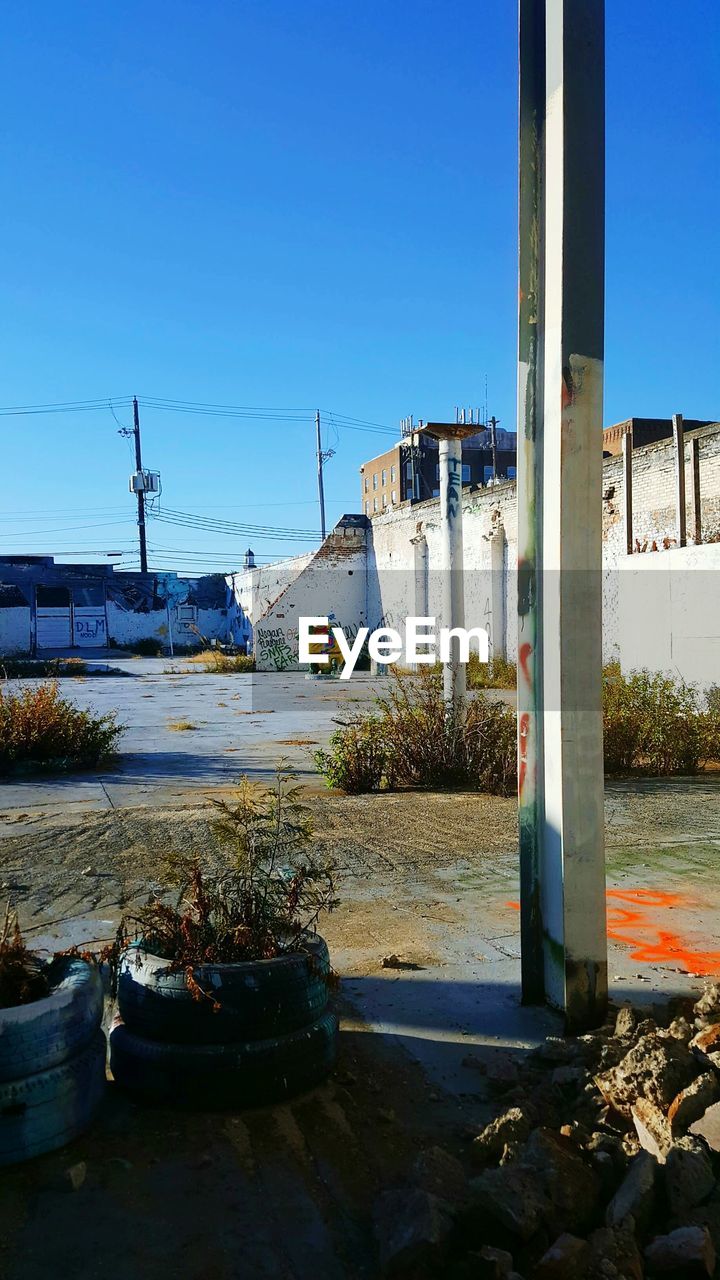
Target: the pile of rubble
(602, 1162)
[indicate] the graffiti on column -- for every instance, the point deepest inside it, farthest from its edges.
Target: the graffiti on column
(454, 487)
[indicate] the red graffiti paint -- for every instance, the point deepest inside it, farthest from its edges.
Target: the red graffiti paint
(523, 739)
(636, 925)
(523, 656)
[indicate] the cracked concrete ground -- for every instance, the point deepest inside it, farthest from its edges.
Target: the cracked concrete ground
(431, 878)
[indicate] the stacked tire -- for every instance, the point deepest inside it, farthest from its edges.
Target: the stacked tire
(52, 1063)
(261, 1032)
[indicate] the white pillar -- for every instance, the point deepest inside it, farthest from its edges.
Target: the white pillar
(498, 647)
(560, 494)
(453, 593)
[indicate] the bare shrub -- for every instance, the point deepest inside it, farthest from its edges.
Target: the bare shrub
(259, 895)
(22, 975)
(39, 727)
(356, 759)
(216, 662)
(656, 725)
(412, 742)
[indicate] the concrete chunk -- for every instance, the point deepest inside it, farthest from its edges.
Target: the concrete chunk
(652, 1128)
(708, 1127)
(656, 1068)
(689, 1177)
(635, 1197)
(692, 1103)
(410, 1228)
(566, 1259)
(686, 1251)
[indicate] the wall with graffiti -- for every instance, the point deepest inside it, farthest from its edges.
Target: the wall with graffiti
(252, 592)
(93, 606)
(331, 584)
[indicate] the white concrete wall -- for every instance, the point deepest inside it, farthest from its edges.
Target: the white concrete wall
(332, 584)
(669, 613)
(15, 630)
(252, 592)
(677, 628)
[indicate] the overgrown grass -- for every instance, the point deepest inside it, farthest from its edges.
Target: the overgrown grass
(40, 728)
(498, 673)
(654, 726)
(215, 662)
(409, 742)
(181, 726)
(14, 667)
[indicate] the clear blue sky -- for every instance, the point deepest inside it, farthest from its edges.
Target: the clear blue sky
(310, 204)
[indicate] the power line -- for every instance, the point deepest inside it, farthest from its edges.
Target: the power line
(262, 413)
(190, 520)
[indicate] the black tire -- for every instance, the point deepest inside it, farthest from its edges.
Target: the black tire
(44, 1111)
(38, 1036)
(257, 999)
(216, 1076)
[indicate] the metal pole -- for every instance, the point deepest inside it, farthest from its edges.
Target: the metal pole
(679, 436)
(453, 615)
(321, 494)
(141, 495)
(560, 564)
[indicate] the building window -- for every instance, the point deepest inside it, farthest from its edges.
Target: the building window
(487, 474)
(392, 475)
(384, 477)
(437, 470)
(436, 493)
(384, 500)
(367, 484)
(512, 472)
(393, 496)
(466, 472)
(375, 480)
(187, 613)
(374, 504)
(408, 472)
(367, 508)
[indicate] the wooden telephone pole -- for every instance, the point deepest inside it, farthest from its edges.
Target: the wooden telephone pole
(140, 492)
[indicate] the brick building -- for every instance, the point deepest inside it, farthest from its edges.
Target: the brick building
(645, 431)
(410, 470)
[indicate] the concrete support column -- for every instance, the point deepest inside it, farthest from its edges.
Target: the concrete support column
(498, 647)
(560, 572)
(450, 436)
(453, 592)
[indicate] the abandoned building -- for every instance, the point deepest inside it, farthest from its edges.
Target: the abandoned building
(46, 607)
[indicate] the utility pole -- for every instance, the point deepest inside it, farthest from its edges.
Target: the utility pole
(322, 456)
(140, 492)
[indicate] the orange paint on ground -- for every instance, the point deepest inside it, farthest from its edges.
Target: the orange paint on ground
(634, 926)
